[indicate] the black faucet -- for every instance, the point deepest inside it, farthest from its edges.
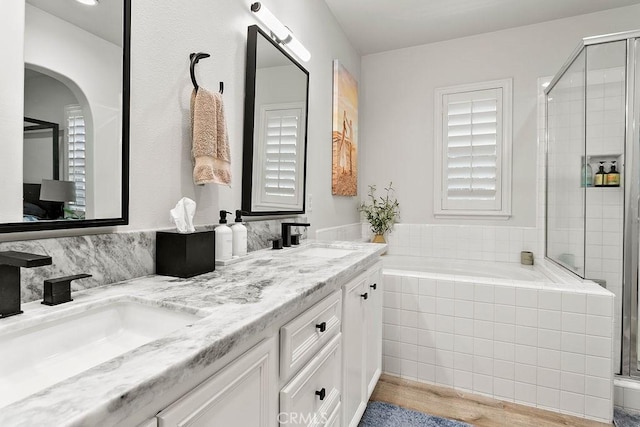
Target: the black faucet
(286, 231)
(58, 290)
(10, 264)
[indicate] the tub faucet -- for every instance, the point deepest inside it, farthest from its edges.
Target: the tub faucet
(286, 231)
(10, 264)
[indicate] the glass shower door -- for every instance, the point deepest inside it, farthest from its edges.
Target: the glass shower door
(565, 168)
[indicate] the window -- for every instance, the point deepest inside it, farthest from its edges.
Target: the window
(473, 150)
(75, 159)
(281, 147)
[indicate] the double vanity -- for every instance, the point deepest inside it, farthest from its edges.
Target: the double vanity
(291, 337)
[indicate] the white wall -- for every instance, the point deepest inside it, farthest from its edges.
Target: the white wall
(11, 107)
(163, 35)
(397, 91)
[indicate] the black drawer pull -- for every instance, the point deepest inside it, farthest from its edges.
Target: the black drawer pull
(321, 394)
(365, 295)
(322, 326)
(374, 286)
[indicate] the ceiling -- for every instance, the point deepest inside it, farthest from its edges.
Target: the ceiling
(380, 25)
(103, 20)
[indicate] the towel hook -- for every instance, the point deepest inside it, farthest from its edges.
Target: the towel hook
(195, 57)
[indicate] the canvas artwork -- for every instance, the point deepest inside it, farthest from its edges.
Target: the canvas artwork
(344, 176)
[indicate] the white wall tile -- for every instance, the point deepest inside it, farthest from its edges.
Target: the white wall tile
(550, 319)
(525, 393)
(598, 387)
(483, 384)
(504, 389)
(572, 382)
(426, 373)
(632, 398)
(548, 397)
(598, 408)
(572, 402)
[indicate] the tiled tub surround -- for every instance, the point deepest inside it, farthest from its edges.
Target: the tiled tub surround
(535, 342)
(463, 242)
(240, 301)
(112, 257)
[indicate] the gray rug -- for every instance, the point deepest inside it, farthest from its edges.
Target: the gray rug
(380, 414)
(622, 418)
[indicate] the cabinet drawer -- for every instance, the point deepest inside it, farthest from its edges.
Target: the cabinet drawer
(312, 396)
(303, 337)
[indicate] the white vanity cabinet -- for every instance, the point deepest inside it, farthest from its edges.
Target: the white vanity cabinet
(318, 371)
(244, 393)
(362, 336)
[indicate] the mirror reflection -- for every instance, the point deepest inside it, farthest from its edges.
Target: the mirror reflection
(73, 107)
(275, 129)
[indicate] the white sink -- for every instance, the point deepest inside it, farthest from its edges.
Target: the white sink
(55, 349)
(324, 252)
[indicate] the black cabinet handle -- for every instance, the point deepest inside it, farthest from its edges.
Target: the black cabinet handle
(321, 394)
(365, 295)
(322, 326)
(374, 286)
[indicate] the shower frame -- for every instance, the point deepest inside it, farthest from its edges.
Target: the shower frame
(631, 177)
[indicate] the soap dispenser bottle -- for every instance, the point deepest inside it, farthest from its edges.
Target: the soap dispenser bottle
(613, 176)
(599, 179)
(239, 236)
(224, 238)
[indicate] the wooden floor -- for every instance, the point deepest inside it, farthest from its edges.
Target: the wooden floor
(473, 409)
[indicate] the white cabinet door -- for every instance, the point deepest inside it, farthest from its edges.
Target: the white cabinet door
(354, 401)
(243, 393)
(373, 319)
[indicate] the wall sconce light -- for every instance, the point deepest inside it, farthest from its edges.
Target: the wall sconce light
(281, 33)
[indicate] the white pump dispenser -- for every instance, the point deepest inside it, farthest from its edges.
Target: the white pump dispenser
(224, 239)
(239, 236)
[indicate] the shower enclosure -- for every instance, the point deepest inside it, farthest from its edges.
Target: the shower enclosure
(593, 109)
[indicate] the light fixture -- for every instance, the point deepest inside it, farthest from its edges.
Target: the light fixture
(89, 2)
(281, 33)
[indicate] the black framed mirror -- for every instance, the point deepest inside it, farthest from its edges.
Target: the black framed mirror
(76, 88)
(275, 129)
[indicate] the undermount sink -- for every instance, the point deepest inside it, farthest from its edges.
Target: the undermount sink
(323, 252)
(55, 349)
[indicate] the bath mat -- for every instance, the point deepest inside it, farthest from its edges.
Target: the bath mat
(381, 414)
(622, 418)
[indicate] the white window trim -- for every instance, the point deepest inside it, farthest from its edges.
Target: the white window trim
(506, 156)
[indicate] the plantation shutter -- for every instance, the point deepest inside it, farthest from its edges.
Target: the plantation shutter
(283, 128)
(76, 155)
(472, 149)
(281, 148)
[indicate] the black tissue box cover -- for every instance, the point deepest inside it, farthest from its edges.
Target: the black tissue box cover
(185, 254)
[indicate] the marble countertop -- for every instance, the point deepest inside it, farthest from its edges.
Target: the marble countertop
(237, 301)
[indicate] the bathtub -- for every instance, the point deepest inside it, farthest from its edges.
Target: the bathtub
(543, 274)
(533, 335)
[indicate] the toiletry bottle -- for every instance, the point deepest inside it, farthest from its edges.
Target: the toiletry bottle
(239, 236)
(587, 175)
(613, 176)
(599, 178)
(224, 238)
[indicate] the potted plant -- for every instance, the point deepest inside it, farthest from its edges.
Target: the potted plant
(381, 212)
